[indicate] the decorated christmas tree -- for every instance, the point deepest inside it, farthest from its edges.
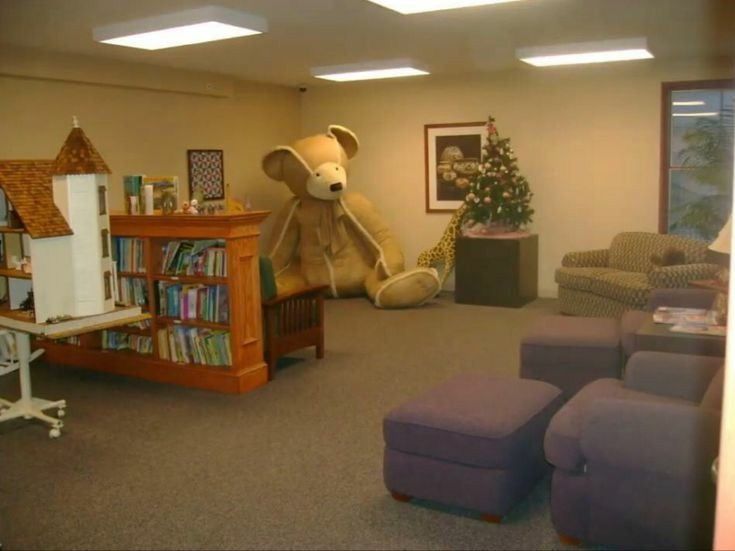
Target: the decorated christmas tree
(497, 193)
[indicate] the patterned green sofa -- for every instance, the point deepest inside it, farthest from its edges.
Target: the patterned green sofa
(607, 282)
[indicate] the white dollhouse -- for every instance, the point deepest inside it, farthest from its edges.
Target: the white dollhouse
(62, 209)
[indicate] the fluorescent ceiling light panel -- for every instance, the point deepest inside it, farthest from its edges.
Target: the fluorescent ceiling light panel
(687, 103)
(195, 26)
(707, 114)
(407, 7)
(585, 52)
(369, 71)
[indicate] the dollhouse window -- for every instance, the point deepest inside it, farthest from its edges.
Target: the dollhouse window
(105, 243)
(102, 198)
(108, 285)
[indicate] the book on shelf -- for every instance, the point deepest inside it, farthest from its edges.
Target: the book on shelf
(194, 345)
(193, 301)
(204, 257)
(129, 254)
(132, 291)
(675, 315)
(114, 340)
(700, 329)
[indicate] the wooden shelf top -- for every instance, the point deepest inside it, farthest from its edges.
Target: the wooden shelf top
(131, 274)
(18, 274)
(178, 226)
(6, 229)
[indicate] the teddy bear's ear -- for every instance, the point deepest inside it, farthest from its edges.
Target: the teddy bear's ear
(275, 163)
(346, 139)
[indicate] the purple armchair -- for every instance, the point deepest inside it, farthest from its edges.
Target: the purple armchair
(632, 458)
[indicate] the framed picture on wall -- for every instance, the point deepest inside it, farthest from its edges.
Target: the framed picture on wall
(452, 153)
(206, 173)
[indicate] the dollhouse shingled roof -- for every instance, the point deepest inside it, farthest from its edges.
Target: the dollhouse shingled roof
(79, 156)
(27, 185)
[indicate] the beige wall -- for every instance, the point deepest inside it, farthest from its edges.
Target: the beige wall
(587, 139)
(139, 126)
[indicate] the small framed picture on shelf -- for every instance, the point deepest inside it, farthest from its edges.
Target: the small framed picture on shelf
(165, 193)
(206, 174)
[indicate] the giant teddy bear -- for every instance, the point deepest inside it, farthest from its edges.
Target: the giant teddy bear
(325, 236)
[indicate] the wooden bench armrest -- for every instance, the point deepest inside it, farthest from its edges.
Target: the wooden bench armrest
(306, 291)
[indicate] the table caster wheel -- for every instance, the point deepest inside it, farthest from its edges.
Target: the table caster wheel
(54, 432)
(61, 413)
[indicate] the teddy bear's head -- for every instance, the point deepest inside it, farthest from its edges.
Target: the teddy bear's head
(315, 166)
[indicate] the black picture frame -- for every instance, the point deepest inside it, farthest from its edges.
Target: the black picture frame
(206, 172)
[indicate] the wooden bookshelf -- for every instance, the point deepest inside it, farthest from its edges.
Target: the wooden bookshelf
(240, 235)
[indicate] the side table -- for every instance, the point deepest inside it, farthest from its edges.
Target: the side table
(496, 272)
(659, 337)
(22, 325)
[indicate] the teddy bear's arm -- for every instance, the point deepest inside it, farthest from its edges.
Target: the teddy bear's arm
(373, 226)
(284, 236)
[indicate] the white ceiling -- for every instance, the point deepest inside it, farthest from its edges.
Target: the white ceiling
(307, 33)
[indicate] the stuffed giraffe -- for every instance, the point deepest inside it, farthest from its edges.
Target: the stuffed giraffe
(443, 252)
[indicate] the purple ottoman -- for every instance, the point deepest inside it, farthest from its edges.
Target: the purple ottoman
(570, 352)
(475, 441)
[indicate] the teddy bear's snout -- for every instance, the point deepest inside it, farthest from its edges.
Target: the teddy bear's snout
(336, 187)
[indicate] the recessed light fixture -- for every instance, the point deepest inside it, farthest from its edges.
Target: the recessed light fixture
(408, 7)
(692, 103)
(585, 52)
(369, 71)
(195, 26)
(704, 114)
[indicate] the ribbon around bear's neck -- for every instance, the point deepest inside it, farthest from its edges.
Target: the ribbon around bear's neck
(328, 219)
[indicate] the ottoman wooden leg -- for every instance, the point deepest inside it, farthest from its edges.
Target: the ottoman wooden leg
(400, 497)
(569, 540)
(494, 519)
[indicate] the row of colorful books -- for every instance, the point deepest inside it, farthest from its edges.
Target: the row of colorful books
(114, 340)
(132, 291)
(194, 345)
(189, 302)
(128, 251)
(205, 257)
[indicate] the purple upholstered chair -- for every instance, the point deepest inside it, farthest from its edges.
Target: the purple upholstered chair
(633, 458)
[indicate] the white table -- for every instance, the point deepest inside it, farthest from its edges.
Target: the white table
(27, 406)
(22, 328)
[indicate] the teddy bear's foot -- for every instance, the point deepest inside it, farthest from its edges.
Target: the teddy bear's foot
(407, 289)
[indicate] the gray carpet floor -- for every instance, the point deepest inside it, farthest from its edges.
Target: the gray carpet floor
(295, 464)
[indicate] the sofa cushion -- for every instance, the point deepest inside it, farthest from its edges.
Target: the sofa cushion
(632, 251)
(474, 419)
(579, 278)
(627, 287)
(562, 439)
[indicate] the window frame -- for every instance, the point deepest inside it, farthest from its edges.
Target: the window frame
(667, 88)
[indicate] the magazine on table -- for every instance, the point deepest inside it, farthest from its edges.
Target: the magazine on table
(674, 316)
(700, 329)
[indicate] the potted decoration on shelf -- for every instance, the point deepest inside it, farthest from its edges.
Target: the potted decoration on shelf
(498, 199)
